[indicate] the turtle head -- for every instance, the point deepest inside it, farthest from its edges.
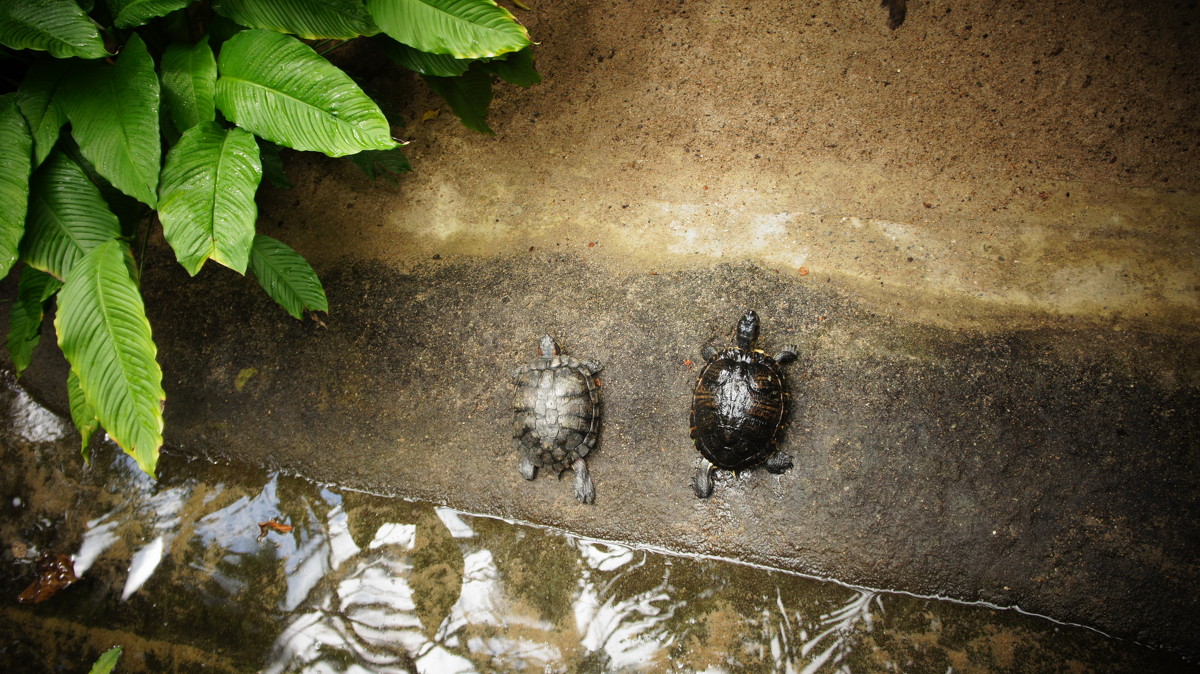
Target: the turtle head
(547, 347)
(747, 330)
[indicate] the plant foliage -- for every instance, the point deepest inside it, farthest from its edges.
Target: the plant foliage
(107, 661)
(127, 109)
(105, 336)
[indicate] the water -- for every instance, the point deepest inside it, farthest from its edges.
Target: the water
(175, 571)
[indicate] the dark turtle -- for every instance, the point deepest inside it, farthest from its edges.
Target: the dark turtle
(738, 407)
(556, 415)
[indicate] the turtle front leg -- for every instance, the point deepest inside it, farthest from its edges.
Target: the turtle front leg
(526, 467)
(778, 463)
(708, 352)
(702, 483)
(584, 490)
(788, 354)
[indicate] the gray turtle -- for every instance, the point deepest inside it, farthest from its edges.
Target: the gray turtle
(556, 415)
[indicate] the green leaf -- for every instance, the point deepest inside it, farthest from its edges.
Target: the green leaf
(206, 202)
(57, 26)
(189, 83)
(390, 162)
(114, 118)
(107, 661)
(131, 13)
(83, 414)
(67, 217)
(129, 211)
(516, 69)
(25, 318)
(272, 163)
(438, 65)
(40, 105)
(286, 277)
(105, 336)
(326, 19)
(465, 29)
(468, 96)
(280, 89)
(16, 156)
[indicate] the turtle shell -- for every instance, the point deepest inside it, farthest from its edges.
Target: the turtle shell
(556, 411)
(738, 406)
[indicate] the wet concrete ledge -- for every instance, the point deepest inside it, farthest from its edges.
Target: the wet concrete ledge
(1053, 468)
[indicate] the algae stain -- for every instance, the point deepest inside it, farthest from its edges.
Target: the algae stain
(243, 376)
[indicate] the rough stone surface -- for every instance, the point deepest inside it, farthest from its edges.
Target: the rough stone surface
(980, 229)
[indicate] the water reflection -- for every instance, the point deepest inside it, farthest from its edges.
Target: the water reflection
(176, 571)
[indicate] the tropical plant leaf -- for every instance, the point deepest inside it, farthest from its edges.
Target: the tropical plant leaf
(82, 414)
(206, 201)
(424, 63)
(131, 13)
(327, 19)
(16, 153)
(114, 118)
(105, 336)
(39, 103)
(272, 164)
(67, 217)
(516, 68)
(25, 318)
(465, 29)
(107, 661)
(57, 26)
(129, 211)
(469, 97)
(390, 163)
(286, 276)
(282, 90)
(189, 83)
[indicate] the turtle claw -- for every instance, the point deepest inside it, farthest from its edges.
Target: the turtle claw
(526, 468)
(585, 491)
(702, 483)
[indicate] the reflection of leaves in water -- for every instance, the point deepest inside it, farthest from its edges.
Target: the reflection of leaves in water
(712, 634)
(710, 623)
(923, 640)
(630, 628)
(595, 662)
(302, 507)
(366, 513)
(536, 567)
(437, 573)
(250, 585)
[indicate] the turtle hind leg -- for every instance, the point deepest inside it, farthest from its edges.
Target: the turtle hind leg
(526, 467)
(778, 463)
(702, 483)
(585, 491)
